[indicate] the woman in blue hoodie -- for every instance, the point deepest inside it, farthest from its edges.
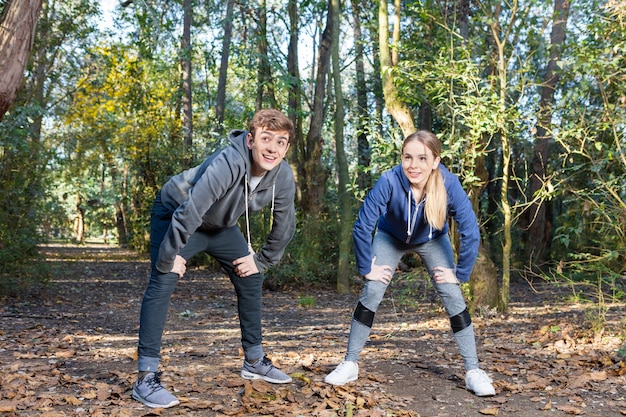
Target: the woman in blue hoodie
(409, 207)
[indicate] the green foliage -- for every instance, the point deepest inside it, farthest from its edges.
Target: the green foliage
(306, 301)
(310, 259)
(592, 281)
(590, 220)
(22, 183)
(411, 288)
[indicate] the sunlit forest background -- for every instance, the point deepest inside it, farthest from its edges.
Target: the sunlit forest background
(527, 96)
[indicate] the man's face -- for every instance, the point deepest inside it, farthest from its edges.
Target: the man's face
(268, 148)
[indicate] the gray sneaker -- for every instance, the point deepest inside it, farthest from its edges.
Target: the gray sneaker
(152, 393)
(263, 369)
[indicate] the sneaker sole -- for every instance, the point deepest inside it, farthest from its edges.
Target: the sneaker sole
(142, 400)
(484, 394)
(481, 394)
(339, 384)
(250, 375)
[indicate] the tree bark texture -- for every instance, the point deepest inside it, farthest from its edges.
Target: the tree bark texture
(17, 31)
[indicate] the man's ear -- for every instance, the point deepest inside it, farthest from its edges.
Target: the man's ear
(249, 140)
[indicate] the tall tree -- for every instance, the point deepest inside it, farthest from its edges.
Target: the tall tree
(266, 95)
(345, 200)
(393, 101)
(538, 235)
(294, 93)
(362, 109)
(314, 179)
(500, 38)
(220, 102)
(17, 32)
(186, 52)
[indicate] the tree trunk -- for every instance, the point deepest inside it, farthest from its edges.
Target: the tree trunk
(220, 102)
(485, 291)
(314, 173)
(186, 66)
(79, 221)
(507, 222)
(396, 108)
(363, 146)
(538, 236)
(17, 31)
(121, 220)
(345, 201)
(377, 82)
(265, 83)
(294, 110)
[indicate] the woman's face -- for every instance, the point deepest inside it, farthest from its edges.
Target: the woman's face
(418, 162)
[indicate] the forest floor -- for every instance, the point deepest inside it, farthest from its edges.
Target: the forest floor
(70, 349)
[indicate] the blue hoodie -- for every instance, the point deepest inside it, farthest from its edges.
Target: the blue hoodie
(388, 205)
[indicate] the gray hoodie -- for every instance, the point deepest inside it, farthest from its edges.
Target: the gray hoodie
(211, 196)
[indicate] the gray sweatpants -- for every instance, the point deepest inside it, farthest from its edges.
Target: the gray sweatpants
(437, 252)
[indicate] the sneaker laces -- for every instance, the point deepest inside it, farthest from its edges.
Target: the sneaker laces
(154, 383)
(342, 365)
(267, 362)
(259, 366)
(481, 376)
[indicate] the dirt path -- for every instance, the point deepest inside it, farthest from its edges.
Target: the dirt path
(71, 350)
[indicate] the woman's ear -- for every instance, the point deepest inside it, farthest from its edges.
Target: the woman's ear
(436, 163)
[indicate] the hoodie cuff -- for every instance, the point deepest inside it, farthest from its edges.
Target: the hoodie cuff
(259, 265)
(164, 267)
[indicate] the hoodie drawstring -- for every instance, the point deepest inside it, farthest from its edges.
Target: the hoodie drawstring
(408, 217)
(410, 223)
(272, 209)
(247, 215)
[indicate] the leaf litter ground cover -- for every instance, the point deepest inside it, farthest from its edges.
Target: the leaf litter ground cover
(71, 350)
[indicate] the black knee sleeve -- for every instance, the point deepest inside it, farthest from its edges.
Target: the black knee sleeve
(460, 321)
(363, 315)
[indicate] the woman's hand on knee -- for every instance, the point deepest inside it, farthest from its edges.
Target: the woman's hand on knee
(382, 273)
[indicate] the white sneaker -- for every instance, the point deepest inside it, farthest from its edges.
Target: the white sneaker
(477, 381)
(346, 371)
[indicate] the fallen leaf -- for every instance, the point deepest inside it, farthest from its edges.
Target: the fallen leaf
(569, 409)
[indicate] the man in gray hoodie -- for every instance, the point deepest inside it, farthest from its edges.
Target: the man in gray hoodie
(197, 211)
